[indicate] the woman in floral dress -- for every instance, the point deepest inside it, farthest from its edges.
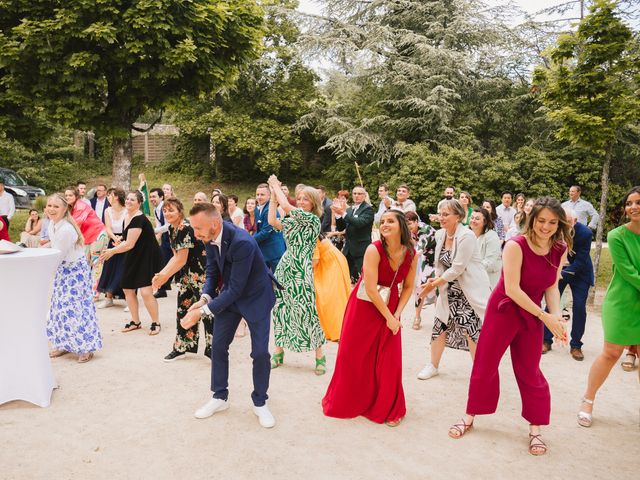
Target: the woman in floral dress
(72, 325)
(424, 239)
(189, 261)
(295, 317)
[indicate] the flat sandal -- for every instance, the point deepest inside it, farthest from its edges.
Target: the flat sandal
(461, 427)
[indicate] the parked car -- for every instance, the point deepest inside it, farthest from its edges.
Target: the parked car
(23, 194)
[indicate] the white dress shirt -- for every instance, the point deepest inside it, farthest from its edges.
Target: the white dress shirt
(506, 214)
(100, 207)
(583, 210)
(218, 243)
(7, 205)
(381, 209)
(157, 212)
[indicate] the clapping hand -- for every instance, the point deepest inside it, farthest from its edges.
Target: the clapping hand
(426, 288)
(191, 318)
(338, 207)
(557, 327)
(158, 280)
(198, 305)
(273, 181)
(106, 255)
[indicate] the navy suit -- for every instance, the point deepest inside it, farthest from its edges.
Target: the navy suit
(579, 276)
(93, 203)
(165, 247)
(270, 241)
(240, 286)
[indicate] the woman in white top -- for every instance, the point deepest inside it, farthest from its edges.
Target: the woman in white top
(72, 325)
(489, 243)
(31, 234)
(235, 212)
(112, 269)
(463, 287)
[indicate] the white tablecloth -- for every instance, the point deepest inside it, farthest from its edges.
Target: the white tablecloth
(25, 368)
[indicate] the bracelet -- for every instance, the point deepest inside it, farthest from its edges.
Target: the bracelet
(542, 312)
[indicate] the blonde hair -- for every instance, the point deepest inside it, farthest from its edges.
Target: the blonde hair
(68, 217)
(314, 197)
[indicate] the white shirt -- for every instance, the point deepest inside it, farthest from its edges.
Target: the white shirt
(238, 213)
(407, 206)
(64, 237)
(7, 204)
(100, 207)
(218, 242)
(583, 210)
(381, 209)
(160, 227)
(506, 214)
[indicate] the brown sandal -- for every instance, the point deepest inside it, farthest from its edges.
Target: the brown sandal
(131, 326)
(461, 428)
(57, 353)
(85, 357)
(541, 446)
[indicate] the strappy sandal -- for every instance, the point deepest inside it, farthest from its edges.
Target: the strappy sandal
(85, 357)
(394, 423)
(155, 328)
(321, 365)
(539, 447)
(629, 363)
(57, 353)
(585, 419)
(416, 323)
(131, 326)
(462, 428)
(277, 359)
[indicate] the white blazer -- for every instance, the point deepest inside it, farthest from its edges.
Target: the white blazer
(491, 255)
(466, 267)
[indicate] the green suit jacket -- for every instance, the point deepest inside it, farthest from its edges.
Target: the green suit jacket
(358, 229)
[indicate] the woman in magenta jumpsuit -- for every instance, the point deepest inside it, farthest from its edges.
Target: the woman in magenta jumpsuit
(531, 268)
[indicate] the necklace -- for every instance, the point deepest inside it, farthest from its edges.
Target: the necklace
(450, 237)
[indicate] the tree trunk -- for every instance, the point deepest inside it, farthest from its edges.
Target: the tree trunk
(122, 158)
(603, 215)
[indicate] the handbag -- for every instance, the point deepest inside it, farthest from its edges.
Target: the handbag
(385, 292)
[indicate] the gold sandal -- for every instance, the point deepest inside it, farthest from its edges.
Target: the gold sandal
(629, 363)
(416, 323)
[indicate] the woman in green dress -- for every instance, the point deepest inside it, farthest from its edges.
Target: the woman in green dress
(295, 318)
(621, 306)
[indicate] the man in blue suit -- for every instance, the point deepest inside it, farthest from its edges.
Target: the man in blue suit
(238, 285)
(578, 275)
(270, 241)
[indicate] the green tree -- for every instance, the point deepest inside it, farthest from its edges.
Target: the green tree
(100, 66)
(590, 88)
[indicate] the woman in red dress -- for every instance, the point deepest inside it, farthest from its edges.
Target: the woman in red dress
(367, 379)
(531, 267)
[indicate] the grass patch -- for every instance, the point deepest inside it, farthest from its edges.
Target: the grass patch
(605, 272)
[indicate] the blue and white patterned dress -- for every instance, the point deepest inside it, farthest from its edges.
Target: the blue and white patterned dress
(72, 325)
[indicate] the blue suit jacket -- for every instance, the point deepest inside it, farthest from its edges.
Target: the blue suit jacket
(270, 241)
(93, 203)
(247, 283)
(580, 268)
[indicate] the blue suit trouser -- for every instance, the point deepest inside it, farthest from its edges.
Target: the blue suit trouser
(579, 291)
(224, 329)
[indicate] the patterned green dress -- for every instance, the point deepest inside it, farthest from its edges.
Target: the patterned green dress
(295, 318)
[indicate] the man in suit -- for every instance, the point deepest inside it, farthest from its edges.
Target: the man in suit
(270, 241)
(156, 198)
(357, 220)
(238, 285)
(578, 275)
(99, 202)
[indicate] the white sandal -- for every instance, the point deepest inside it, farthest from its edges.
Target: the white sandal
(585, 419)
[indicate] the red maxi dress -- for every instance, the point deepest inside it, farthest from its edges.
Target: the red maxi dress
(367, 379)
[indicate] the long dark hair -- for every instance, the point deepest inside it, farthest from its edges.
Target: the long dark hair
(635, 189)
(494, 214)
(405, 234)
(488, 221)
(222, 198)
(565, 229)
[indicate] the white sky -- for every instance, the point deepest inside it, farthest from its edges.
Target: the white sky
(530, 6)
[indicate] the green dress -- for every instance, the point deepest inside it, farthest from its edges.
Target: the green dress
(621, 306)
(295, 318)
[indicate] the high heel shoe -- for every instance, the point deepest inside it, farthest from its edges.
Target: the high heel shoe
(277, 359)
(585, 419)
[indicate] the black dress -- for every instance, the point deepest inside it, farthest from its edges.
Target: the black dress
(144, 260)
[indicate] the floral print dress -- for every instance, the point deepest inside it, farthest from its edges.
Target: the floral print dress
(425, 241)
(190, 280)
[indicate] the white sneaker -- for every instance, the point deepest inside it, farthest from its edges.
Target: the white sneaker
(105, 303)
(126, 309)
(427, 372)
(212, 406)
(264, 416)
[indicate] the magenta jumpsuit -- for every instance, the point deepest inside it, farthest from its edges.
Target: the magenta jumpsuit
(508, 325)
